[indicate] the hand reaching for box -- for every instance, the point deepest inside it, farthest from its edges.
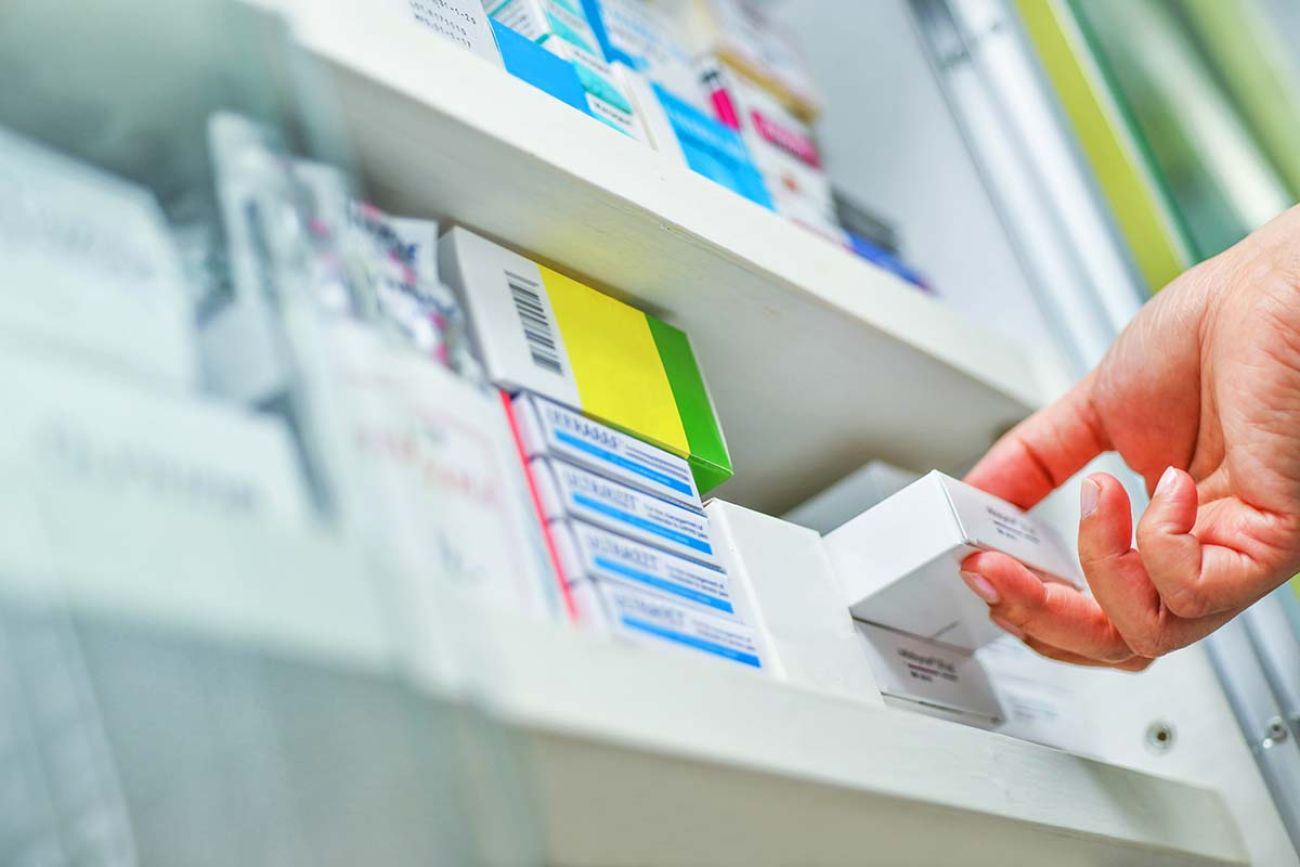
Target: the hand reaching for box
(1201, 396)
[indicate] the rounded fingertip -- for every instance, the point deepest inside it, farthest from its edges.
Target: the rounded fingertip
(1089, 497)
(981, 586)
(986, 562)
(1168, 479)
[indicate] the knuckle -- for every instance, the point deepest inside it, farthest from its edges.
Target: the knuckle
(1149, 643)
(1187, 602)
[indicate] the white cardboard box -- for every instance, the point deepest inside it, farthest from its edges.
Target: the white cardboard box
(781, 573)
(569, 492)
(90, 269)
(645, 618)
(87, 442)
(551, 430)
(592, 555)
(931, 677)
(900, 561)
(434, 467)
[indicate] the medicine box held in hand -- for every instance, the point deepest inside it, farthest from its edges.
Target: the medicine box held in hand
(540, 331)
(899, 562)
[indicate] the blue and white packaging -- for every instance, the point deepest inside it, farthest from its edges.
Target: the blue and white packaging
(562, 28)
(712, 149)
(647, 37)
(530, 62)
(589, 554)
(569, 492)
(646, 618)
(659, 131)
(548, 429)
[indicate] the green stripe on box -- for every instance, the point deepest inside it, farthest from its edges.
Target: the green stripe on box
(710, 463)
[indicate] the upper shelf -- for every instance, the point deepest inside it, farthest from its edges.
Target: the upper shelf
(817, 360)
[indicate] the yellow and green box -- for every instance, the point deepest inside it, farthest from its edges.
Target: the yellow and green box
(538, 330)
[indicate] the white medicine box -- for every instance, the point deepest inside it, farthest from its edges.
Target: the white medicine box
(900, 561)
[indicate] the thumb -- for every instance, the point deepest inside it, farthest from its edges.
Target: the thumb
(1170, 552)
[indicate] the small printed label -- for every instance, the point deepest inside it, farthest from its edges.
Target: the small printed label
(606, 556)
(569, 435)
(461, 21)
(1012, 527)
(793, 142)
(641, 615)
(641, 516)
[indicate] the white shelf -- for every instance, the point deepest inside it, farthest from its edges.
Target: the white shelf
(644, 758)
(689, 763)
(817, 360)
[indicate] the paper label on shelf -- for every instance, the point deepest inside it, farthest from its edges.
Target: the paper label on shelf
(463, 22)
(90, 266)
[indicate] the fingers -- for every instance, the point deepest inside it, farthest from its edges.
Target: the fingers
(1042, 452)
(1194, 579)
(1053, 614)
(1139, 594)
(1119, 577)
(1136, 663)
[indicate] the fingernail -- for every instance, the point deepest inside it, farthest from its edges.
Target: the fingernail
(1008, 626)
(1090, 493)
(1167, 480)
(983, 589)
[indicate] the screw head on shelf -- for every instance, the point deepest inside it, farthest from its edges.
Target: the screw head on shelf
(1160, 736)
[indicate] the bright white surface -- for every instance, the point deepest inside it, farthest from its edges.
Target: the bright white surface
(662, 758)
(891, 142)
(818, 361)
(647, 758)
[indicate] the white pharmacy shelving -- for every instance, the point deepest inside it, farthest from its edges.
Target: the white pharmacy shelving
(818, 361)
(683, 762)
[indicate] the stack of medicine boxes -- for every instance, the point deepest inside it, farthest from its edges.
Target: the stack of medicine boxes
(623, 515)
(630, 533)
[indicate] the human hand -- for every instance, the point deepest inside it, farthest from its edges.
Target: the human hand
(1200, 395)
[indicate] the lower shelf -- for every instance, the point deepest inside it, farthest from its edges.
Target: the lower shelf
(637, 757)
(643, 758)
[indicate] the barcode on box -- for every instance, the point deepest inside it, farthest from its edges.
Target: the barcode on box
(542, 343)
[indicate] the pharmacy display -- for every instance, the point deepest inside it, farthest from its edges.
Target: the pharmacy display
(533, 442)
(713, 85)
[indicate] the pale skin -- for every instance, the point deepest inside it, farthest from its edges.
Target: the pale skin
(1200, 396)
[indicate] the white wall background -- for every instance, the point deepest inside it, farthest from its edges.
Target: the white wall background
(891, 142)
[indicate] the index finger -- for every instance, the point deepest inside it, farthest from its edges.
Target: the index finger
(1038, 455)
